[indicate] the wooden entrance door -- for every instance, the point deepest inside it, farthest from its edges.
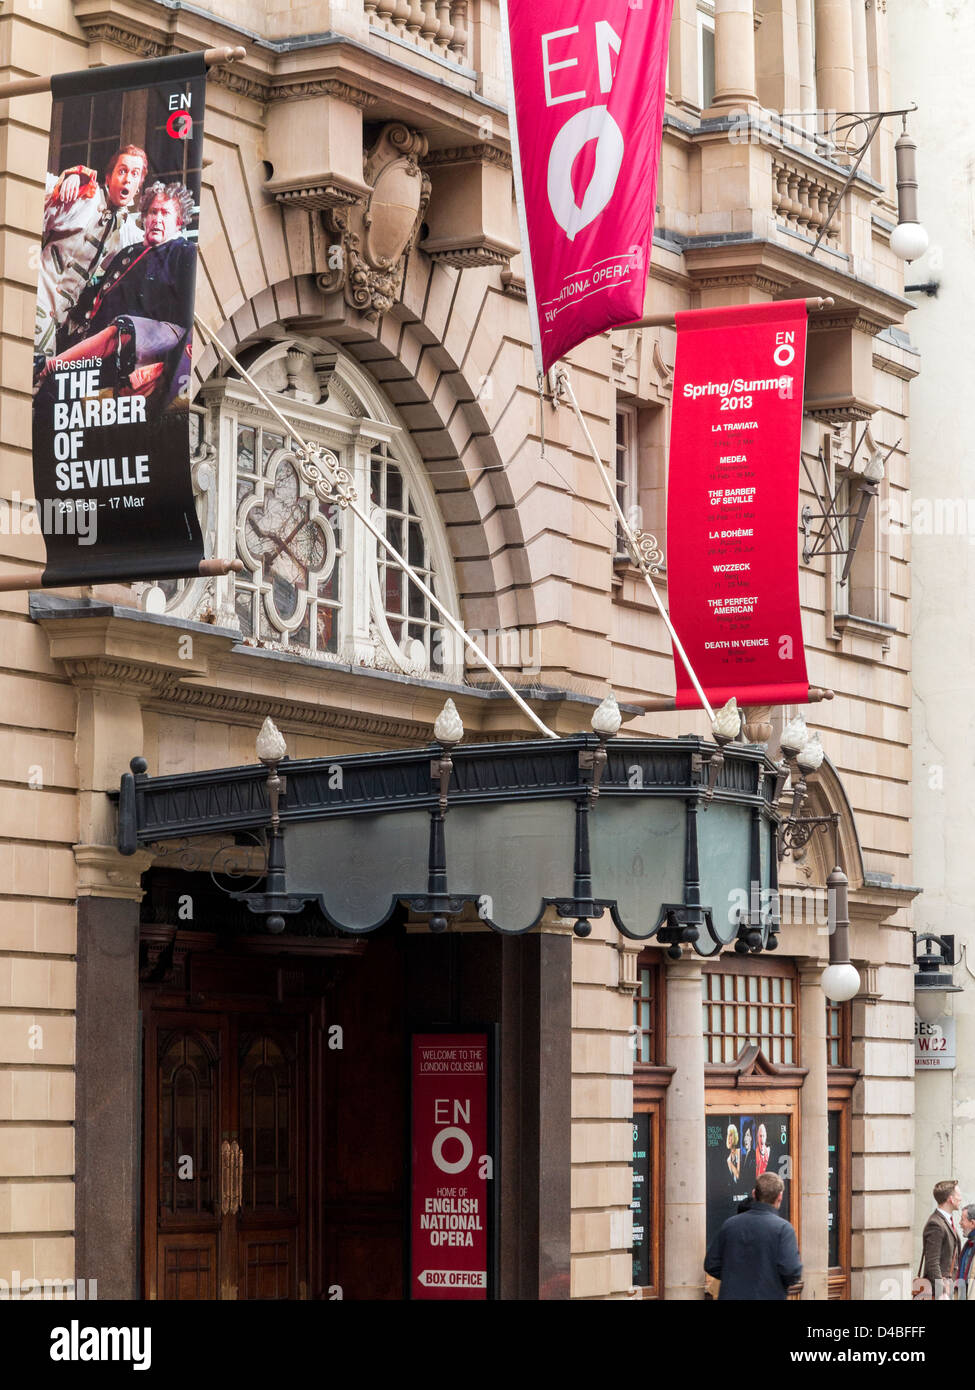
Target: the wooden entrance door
(226, 1201)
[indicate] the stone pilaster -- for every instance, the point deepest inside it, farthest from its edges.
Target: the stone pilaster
(685, 1228)
(815, 1132)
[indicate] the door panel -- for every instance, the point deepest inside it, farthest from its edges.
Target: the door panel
(269, 1123)
(225, 1190)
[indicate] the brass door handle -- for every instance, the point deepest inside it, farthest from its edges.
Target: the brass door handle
(238, 1167)
(231, 1177)
(226, 1177)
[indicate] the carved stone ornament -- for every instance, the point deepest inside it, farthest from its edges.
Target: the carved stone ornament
(377, 238)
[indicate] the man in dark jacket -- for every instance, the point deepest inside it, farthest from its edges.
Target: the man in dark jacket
(755, 1254)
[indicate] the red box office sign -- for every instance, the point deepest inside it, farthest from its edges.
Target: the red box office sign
(732, 503)
(452, 1165)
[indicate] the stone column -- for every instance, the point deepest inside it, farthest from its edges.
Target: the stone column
(834, 56)
(734, 53)
(861, 63)
(814, 1131)
(685, 1230)
(807, 67)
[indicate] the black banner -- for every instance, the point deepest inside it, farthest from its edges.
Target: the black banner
(113, 332)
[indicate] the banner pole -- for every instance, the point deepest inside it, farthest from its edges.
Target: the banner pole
(813, 306)
(33, 578)
(347, 501)
(29, 86)
(644, 564)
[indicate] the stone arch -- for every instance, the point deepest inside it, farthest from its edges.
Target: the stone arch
(427, 384)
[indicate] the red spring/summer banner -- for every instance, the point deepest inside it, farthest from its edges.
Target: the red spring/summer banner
(732, 503)
(451, 1168)
(588, 86)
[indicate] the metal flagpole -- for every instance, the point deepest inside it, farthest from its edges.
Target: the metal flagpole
(633, 544)
(28, 86)
(313, 465)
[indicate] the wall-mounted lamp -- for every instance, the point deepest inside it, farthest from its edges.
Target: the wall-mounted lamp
(841, 979)
(908, 240)
(802, 757)
(933, 980)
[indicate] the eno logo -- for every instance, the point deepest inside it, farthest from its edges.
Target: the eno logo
(592, 123)
(784, 348)
(179, 124)
(452, 1135)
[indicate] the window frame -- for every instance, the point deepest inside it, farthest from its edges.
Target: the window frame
(746, 966)
(650, 1082)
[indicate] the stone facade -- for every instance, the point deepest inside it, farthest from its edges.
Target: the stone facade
(444, 342)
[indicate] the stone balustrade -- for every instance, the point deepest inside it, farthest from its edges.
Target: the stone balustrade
(801, 199)
(438, 26)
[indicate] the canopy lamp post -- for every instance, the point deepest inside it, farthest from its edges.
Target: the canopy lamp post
(275, 902)
(933, 980)
(606, 722)
(448, 730)
(725, 728)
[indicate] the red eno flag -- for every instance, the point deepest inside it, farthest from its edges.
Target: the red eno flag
(588, 82)
(732, 502)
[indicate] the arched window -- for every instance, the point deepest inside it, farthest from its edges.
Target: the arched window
(315, 582)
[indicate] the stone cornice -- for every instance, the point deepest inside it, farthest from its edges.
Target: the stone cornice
(468, 154)
(254, 708)
(866, 307)
(899, 369)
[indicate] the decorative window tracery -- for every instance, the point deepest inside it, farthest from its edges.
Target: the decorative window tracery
(315, 582)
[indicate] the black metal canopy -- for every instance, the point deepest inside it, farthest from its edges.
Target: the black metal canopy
(532, 824)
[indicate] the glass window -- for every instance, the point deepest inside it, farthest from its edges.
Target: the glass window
(731, 1026)
(705, 54)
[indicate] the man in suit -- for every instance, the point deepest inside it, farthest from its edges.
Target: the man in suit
(755, 1254)
(966, 1264)
(942, 1247)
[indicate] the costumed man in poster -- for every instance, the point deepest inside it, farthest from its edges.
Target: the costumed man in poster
(138, 316)
(85, 224)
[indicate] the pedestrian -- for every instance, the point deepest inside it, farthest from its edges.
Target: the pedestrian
(755, 1254)
(966, 1264)
(940, 1241)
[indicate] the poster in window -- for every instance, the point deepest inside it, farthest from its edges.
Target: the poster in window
(833, 1189)
(740, 1147)
(114, 320)
(640, 1204)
